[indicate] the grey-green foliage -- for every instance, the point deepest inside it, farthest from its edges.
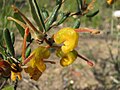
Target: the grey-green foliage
(5, 11)
(8, 42)
(37, 15)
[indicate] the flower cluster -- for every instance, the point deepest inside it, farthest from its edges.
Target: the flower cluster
(36, 66)
(64, 42)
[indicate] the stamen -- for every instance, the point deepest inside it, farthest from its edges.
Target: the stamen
(92, 31)
(90, 63)
(86, 59)
(52, 62)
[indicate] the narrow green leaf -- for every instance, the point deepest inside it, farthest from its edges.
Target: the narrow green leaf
(58, 2)
(76, 24)
(2, 50)
(92, 14)
(81, 3)
(28, 51)
(78, 5)
(37, 15)
(1, 37)
(21, 29)
(52, 17)
(63, 18)
(8, 41)
(12, 37)
(45, 13)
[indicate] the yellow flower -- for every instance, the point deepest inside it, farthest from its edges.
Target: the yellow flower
(16, 71)
(111, 1)
(67, 59)
(36, 64)
(15, 75)
(67, 36)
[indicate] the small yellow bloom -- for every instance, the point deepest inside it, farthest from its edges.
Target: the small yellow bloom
(111, 1)
(67, 59)
(16, 71)
(39, 54)
(36, 64)
(69, 37)
(15, 75)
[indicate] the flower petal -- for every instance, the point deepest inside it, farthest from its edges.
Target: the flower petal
(37, 65)
(33, 72)
(39, 53)
(14, 75)
(69, 58)
(41, 66)
(67, 36)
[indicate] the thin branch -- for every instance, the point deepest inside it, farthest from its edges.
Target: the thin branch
(85, 59)
(2, 85)
(16, 84)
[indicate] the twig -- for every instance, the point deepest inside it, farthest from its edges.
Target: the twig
(4, 82)
(49, 16)
(16, 83)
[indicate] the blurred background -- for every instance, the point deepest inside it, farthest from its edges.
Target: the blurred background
(103, 49)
